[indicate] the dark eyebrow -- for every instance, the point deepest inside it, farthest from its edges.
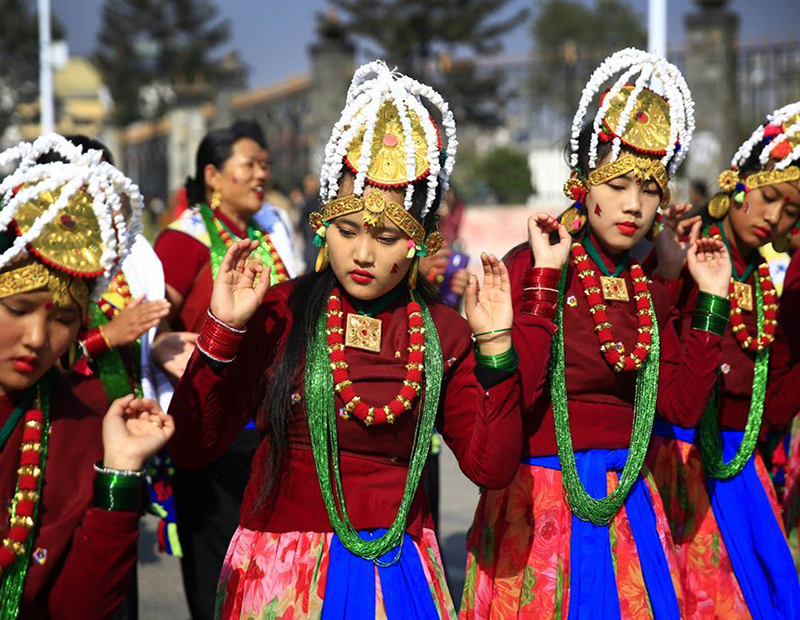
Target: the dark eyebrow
(343, 220)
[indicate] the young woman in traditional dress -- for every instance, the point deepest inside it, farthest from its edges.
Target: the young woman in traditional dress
(70, 477)
(348, 370)
(581, 532)
(718, 496)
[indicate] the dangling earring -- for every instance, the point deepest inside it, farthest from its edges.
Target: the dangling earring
(412, 274)
(322, 259)
(216, 199)
(655, 229)
(719, 205)
(573, 219)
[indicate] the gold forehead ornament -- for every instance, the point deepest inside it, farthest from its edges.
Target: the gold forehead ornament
(375, 209)
(643, 168)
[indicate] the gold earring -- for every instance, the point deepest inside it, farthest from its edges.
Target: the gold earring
(69, 357)
(322, 259)
(719, 205)
(573, 219)
(412, 274)
(216, 199)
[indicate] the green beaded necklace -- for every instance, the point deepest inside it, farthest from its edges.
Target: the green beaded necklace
(322, 419)
(709, 433)
(12, 582)
(601, 510)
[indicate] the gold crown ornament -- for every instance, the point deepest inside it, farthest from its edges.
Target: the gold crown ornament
(648, 127)
(386, 137)
(61, 222)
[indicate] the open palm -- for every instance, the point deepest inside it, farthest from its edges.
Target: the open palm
(240, 285)
(489, 308)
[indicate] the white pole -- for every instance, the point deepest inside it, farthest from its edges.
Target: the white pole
(657, 27)
(45, 68)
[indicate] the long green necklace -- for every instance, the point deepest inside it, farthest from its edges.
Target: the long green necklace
(12, 582)
(322, 418)
(113, 372)
(709, 433)
(219, 248)
(601, 510)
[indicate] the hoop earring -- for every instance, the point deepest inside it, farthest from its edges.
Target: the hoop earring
(413, 274)
(216, 199)
(322, 259)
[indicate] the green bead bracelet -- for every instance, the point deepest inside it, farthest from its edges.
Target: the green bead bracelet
(507, 360)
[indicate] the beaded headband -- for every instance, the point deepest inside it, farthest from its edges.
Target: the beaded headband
(63, 221)
(779, 139)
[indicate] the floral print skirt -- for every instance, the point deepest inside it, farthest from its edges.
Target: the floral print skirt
(519, 551)
(283, 575)
(710, 587)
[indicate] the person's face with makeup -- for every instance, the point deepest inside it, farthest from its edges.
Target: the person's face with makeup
(766, 214)
(36, 333)
(622, 210)
(243, 179)
(368, 262)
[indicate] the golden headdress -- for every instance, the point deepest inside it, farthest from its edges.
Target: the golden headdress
(387, 138)
(658, 128)
(61, 223)
(779, 140)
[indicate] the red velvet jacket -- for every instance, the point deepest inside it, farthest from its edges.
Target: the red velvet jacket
(601, 400)
(90, 553)
(783, 384)
(482, 426)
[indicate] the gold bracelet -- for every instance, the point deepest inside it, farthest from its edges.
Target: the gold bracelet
(105, 338)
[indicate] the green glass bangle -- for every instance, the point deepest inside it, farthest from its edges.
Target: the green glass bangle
(714, 305)
(507, 360)
(709, 323)
(493, 331)
(117, 492)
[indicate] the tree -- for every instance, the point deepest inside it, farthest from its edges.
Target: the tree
(19, 57)
(571, 39)
(156, 43)
(420, 37)
(500, 176)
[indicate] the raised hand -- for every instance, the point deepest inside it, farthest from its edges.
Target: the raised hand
(134, 320)
(133, 431)
(540, 225)
(672, 244)
(710, 264)
(172, 350)
(489, 309)
(238, 289)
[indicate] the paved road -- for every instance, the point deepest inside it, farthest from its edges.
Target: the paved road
(161, 592)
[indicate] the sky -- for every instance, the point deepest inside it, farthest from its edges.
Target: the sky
(272, 36)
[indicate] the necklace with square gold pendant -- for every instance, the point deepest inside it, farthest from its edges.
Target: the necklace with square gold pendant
(363, 332)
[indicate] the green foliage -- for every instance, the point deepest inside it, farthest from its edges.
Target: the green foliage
(499, 176)
(420, 36)
(147, 42)
(572, 38)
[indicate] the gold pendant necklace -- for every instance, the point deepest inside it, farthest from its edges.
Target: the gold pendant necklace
(744, 295)
(614, 289)
(363, 332)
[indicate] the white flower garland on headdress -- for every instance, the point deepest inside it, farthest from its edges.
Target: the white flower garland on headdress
(777, 119)
(650, 70)
(102, 181)
(372, 85)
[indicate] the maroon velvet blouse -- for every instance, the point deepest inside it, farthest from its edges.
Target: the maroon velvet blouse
(88, 553)
(482, 426)
(601, 400)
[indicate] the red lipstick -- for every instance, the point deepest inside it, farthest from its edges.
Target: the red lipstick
(360, 276)
(25, 364)
(628, 228)
(762, 232)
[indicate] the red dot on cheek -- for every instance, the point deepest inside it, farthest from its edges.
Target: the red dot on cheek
(49, 305)
(395, 268)
(597, 210)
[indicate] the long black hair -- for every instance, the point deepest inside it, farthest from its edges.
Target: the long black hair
(215, 149)
(307, 302)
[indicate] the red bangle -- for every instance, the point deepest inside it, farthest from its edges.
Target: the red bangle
(95, 344)
(219, 341)
(538, 308)
(544, 276)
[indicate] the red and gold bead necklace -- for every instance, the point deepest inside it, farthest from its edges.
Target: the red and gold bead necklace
(761, 341)
(353, 404)
(612, 350)
(119, 285)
